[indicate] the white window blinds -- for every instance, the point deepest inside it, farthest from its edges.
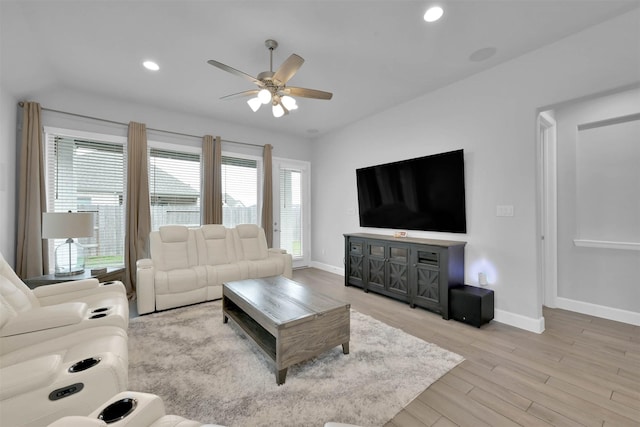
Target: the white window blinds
(240, 190)
(174, 187)
(291, 230)
(87, 175)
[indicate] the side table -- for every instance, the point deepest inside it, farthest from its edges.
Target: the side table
(113, 273)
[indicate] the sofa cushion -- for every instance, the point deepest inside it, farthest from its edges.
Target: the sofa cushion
(173, 247)
(251, 242)
(6, 311)
(19, 299)
(174, 233)
(215, 245)
(180, 280)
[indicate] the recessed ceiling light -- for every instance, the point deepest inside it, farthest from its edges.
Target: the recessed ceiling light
(433, 14)
(150, 65)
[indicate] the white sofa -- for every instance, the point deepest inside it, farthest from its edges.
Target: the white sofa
(56, 356)
(189, 265)
(146, 410)
(30, 317)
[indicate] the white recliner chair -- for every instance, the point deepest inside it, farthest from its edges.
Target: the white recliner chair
(64, 376)
(63, 348)
(28, 316)
(131, 409)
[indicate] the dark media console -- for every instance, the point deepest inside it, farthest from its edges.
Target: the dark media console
(417, 271)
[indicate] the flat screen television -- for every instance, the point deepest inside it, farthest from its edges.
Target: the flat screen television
(426, 193)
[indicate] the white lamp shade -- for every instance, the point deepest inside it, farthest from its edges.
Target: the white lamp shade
(265, 96)
(278, 111)
(289, 103)
(255, 104)
(64, 225)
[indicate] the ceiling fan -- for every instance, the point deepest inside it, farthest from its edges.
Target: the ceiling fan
(272, 86)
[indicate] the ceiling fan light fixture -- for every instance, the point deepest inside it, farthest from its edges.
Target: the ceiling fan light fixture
(264, 96)
(254, 103)
(278, 111)
(289, 103)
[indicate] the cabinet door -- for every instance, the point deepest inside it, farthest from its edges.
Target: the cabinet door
(376, 264)
(355, 262)
(427, 280)
(398, 271)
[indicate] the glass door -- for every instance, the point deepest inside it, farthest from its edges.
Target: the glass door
(291, 209)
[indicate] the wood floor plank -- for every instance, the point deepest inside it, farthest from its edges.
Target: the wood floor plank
(427, 415)
(518, 415)
(481, 412)
(492, 387)
(445, 422)
(582, 371)
(552, 417)
(609, 410)
(572, 407)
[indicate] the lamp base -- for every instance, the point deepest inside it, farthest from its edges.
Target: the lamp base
(68, 273)
(69, 258)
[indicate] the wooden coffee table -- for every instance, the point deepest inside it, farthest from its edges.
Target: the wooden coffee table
(289, 321)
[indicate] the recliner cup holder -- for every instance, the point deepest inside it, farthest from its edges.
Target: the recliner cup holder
(84, 364)
(118, 410)
(100, 310)
(97, 316)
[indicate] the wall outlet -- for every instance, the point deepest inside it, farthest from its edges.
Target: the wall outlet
(504, 210)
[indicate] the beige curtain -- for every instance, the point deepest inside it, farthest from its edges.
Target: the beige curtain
(138, 215)
(212, 180)
(31, 252)
(267, 195)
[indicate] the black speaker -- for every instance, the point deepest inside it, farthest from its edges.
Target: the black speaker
(471, 305)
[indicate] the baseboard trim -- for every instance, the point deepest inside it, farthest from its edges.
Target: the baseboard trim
(327, 267)
(506, 317)
(519, 321)
(596, 310)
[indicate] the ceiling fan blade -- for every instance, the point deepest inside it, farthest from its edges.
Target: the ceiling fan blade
(307, 93)
(241, 94)
(234, 71)
(288, 68)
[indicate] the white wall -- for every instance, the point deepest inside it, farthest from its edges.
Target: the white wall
(8, 160)
(101, 107)
(600, 276)
(492, 116)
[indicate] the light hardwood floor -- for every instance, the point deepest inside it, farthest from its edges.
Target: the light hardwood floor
(582, 371)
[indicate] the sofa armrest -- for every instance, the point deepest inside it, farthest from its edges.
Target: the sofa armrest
(145, 287)
(78, 421)
(41, 318)
(287, 259)
(29, 375)
(60, 293)
(66, 287)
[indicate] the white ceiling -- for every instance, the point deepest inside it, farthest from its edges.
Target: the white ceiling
(370, 54)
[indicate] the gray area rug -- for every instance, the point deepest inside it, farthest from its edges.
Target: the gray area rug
(209, 371)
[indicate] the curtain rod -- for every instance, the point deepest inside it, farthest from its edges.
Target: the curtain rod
(21, 104)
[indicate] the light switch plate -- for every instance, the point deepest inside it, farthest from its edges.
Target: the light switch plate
(504, 210)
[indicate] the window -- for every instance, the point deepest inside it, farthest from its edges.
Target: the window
(85, 173)
(291, 224)
(174, 186)
(240, 190)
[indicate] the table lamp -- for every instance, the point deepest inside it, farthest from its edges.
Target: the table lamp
(69, 256)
